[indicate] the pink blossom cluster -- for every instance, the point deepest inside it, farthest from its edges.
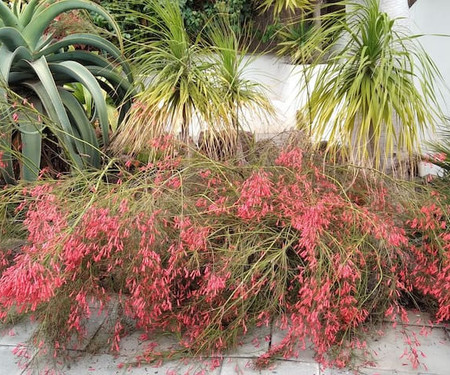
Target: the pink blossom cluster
(212, 253)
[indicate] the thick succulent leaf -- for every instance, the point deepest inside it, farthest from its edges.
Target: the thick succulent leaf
(80, 74)
(117, 81)
(28, 12)
(7, 16)
(48, 94)
(8, 57)
(12, 38)
(85, 128)
(31, 135)
(16, 78)
(45, 41)
(5, 143)
(82, 57)
(119, 90)
(34, 30)
(15, 8)
(90, 41)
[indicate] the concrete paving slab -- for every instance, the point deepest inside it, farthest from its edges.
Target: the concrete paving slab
(292, 368)
(93, 327)
(137, 342)
(253, 344)
(393, 350)
(12, 335)
(367, 371)
(204, 367)
(102, 364)
(301, 354)
(8, 362)
(239, 366)
(107, 364)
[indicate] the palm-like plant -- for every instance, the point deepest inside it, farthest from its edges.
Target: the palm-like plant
(375, 95)
(290, 5)
(38, 67)
(230, 62)
(178, 86)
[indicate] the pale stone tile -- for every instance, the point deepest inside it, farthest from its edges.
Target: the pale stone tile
(253, 344)
(8, 362)
(292, 368)
(434, 350)
(109, 365)
(137, 342)
(239, 366)
(16, 334)
(300, 353)
(366, 371)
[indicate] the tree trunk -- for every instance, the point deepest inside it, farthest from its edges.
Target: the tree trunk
(317, 13)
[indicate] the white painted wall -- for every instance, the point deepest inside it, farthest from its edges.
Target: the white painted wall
(432, 18)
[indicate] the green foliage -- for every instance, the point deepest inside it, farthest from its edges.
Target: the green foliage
(375, 96)
(279, 6)
(190, 81)
(230, 62)
(38, 67)
(195, 14)
(207, 251)
(294, 39)
(179, 88)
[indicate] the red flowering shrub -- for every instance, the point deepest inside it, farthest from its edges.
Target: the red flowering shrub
(208, 251)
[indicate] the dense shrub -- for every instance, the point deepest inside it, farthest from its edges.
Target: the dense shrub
(195, 14)
(209, 250)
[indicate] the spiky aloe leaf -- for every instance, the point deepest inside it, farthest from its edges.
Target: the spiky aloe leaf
(9, 57)
(83, 57)
(48, 94)
(90, 41)
(7, 16)
(12, 38)
(85, 129)
(28, 12)
(121, 91)
(31, 136)
(79, 73)
(34, 30)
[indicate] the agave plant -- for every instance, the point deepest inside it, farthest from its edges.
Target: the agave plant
(375, 95)
(38, 67)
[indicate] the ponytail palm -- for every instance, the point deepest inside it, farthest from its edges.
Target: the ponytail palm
(36, 66)
(178, 88)
(231, 62)
(375, 96)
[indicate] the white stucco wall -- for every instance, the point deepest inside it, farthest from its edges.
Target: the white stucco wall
(432, 18)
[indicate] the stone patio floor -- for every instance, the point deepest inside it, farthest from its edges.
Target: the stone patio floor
(91, 357)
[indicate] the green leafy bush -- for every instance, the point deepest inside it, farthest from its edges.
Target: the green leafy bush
(195, 14)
